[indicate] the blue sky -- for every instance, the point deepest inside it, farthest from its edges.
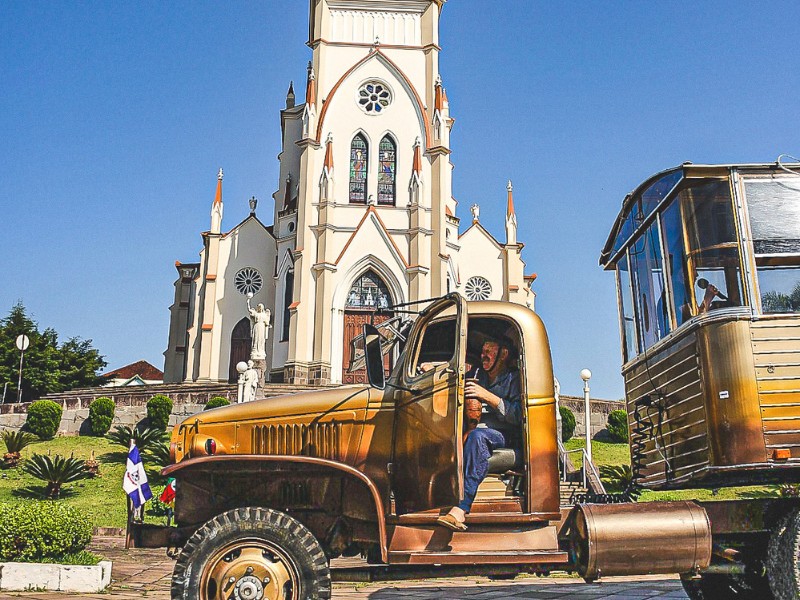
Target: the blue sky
(114, 118)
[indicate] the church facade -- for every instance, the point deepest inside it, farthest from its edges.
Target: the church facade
(364, 212)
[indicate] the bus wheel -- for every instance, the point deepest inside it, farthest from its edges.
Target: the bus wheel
(252, 554)
(783, 558)
(727, 587)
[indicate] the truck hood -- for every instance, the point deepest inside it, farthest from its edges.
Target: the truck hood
(349, 397)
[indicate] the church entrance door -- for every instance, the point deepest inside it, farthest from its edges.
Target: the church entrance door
(241, 343)
(368, 293)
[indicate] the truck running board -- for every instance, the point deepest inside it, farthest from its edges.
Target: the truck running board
(513, 557)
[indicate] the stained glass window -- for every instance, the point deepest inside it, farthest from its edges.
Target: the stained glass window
(369, 293)
(374, 97)
(359, 159)
(387, 157)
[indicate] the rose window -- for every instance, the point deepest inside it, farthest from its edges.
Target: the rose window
(248, 281)
(478, 288)
(373, 97)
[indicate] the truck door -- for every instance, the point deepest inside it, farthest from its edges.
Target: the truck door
(427, 449)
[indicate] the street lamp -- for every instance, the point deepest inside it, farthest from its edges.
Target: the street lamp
(22, 344)
(586, 375)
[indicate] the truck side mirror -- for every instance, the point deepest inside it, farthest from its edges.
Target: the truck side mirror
(374, 357)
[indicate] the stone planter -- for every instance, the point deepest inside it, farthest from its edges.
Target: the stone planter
(16, 576)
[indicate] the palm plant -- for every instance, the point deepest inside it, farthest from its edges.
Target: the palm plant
(55, 472)
(159, 453)
(621, 478)
(144, 438)
(15, 442)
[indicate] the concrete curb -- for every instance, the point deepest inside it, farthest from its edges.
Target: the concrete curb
(20, 577)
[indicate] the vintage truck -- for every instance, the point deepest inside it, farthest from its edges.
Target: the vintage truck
(270, 491)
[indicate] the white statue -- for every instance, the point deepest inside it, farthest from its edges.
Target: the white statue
(259, 318)
(370, 301)
(248, 381)
(476, 212)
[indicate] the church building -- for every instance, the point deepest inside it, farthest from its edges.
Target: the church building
(364, 212)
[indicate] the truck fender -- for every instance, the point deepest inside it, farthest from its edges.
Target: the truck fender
(224, 462)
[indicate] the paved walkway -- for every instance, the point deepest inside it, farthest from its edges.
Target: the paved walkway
(146, 574)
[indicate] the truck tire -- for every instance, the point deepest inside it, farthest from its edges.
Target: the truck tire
(783, 558)
(252, 554)
(727, 587)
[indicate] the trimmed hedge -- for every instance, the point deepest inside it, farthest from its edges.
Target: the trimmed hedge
(158, 410)
(216, 402)
(617, 425)
(567, 423)
(40, 531)
(101, 415)
(44, 417)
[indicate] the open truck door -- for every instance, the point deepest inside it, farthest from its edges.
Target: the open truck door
(426, 447)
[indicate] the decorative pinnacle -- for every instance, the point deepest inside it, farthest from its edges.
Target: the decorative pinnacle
(220, 175)
(439, 80)
(510, 187)
(329, 139)
(377, 41)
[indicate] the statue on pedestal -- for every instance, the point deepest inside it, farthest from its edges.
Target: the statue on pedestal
(259, 318)
(248, 381)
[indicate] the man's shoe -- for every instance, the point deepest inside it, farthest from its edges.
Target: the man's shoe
(451, 523)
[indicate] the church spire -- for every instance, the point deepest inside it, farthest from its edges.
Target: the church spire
(415, 184)
(311, 86)
(290, 97)
(216, 207)
(511, 217)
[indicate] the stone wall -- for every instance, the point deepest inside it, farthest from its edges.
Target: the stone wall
(599, 410)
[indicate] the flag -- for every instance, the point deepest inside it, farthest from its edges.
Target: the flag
(135, 481)
(168, 495)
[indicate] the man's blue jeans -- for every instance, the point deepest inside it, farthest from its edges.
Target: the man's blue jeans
(477, 450)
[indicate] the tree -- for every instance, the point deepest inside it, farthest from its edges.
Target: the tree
(48, 366)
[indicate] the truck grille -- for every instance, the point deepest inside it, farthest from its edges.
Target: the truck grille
(320, 440)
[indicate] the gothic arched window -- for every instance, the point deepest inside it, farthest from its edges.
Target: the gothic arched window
(359, 160)
(369, 292)
(387, 159)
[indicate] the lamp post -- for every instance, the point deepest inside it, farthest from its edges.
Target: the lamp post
(241, 367)
(22, 344)
(586, 375)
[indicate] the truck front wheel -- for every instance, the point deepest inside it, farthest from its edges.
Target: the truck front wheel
(783, 558)
(251, 554)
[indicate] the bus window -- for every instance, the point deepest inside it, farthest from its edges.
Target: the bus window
(774, 209)
(713, 253)
(629, 346)
(648, 287)
(672, 233)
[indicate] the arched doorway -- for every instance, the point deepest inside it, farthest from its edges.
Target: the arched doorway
(241, 343)
(367, 294)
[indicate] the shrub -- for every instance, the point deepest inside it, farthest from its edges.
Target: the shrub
(158, 410)
(617, 425)
(567, 423)
(216, 402)
(144, 438)
(101, 414)
(620, 478)
(41, 531)
(16, 442)
(44, 417)
(55, 472)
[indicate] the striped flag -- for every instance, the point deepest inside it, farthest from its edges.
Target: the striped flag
(135, 481)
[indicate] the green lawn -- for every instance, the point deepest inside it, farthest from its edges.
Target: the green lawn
(605, 453)
(100, 498)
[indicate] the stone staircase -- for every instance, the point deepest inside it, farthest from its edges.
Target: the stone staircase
(570, 489)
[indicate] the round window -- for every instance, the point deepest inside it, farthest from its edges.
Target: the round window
(248, 281)
(374, 97)
(478, 288)
(290, 227)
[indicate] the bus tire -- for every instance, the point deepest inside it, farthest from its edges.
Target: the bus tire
(783, 558)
